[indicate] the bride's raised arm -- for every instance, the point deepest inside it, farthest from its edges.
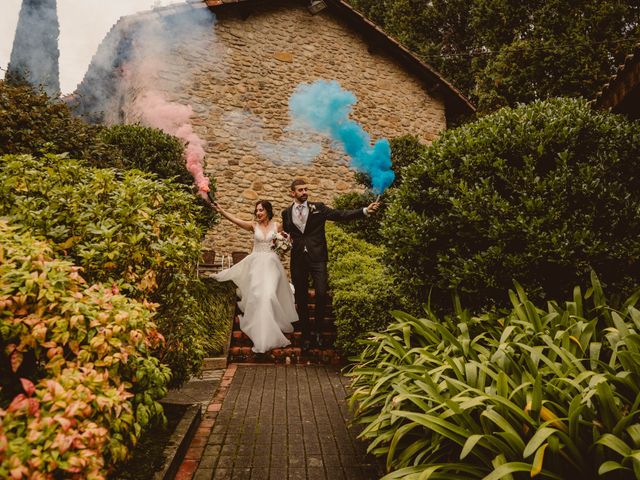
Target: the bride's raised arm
(238, 221)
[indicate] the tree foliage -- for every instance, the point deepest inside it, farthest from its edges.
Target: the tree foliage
(35, 53)
(31, 123)
(501, 52)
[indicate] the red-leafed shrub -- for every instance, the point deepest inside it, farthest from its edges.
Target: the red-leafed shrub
(78, 379)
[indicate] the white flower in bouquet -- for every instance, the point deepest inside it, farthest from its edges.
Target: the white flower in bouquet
(280, 243)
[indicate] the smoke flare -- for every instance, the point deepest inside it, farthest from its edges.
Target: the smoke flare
(324, 106)
(173, 118)
(153, 43)
(294, 146)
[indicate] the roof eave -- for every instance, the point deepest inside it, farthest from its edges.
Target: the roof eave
(620, 83)
(455, 99)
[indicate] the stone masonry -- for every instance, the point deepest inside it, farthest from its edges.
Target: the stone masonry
(239, 80)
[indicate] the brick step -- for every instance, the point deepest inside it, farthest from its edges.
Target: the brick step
(290, 355)
(240, 339)
(328, 309)
(240, 348)
(312, 297)
(327, 325)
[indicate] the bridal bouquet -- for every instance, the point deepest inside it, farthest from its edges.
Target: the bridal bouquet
(280, 243)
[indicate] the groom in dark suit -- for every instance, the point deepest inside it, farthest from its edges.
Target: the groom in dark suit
(304, 221)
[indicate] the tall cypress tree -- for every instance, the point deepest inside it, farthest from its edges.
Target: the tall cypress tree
(34, 58)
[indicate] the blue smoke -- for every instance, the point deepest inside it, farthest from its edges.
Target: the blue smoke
(325, 107)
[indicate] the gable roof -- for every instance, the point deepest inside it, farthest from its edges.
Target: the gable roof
(456, 103)
(622, 93)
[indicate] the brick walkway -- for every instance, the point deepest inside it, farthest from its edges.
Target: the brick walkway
(278, 422)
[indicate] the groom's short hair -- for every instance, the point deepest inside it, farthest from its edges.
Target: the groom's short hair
(296, 182)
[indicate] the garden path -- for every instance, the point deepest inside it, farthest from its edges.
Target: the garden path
(281, 422)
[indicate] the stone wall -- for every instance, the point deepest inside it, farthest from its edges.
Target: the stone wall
(239, 81)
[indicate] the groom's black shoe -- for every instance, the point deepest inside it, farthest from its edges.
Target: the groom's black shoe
(306, 343)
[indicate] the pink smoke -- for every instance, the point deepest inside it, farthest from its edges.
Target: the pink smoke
(173, 118)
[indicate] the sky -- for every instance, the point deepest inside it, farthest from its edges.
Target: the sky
(83, 25)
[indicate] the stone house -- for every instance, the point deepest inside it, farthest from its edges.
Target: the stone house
(238, 76)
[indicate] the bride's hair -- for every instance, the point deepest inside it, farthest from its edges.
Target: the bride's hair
(266, 204)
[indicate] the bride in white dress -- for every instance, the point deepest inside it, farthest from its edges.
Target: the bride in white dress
(266, 299)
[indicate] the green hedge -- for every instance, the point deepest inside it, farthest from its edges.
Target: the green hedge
(367, 229)
(541, 194)
(404, 151)
(552, 393)
(361, 289)
(123, 228)
(219, 305)
(77, 376)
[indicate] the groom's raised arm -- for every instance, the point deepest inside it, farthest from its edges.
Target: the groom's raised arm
(342, 215)
(346, 215)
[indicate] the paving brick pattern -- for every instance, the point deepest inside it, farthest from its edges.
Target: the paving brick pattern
(279, 422)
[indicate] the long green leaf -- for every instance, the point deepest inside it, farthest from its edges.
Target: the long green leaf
(399, 434)
(614, 443)
(506, 469)
(538, 439)
(469, 445)
(447, 429)
(610, 466)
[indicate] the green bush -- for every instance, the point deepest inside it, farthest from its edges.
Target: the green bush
(31, 122)
(149, 150)
(541, 194)
(199, 314)
(79, 382)
(367, 229)
(152, 150)
(552, 393)
(361, 290)
(123, 228)
(404, 151)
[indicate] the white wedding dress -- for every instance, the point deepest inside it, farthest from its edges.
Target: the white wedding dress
(266, 299)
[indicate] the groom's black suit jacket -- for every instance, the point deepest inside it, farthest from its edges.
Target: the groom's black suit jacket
(313, 237)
